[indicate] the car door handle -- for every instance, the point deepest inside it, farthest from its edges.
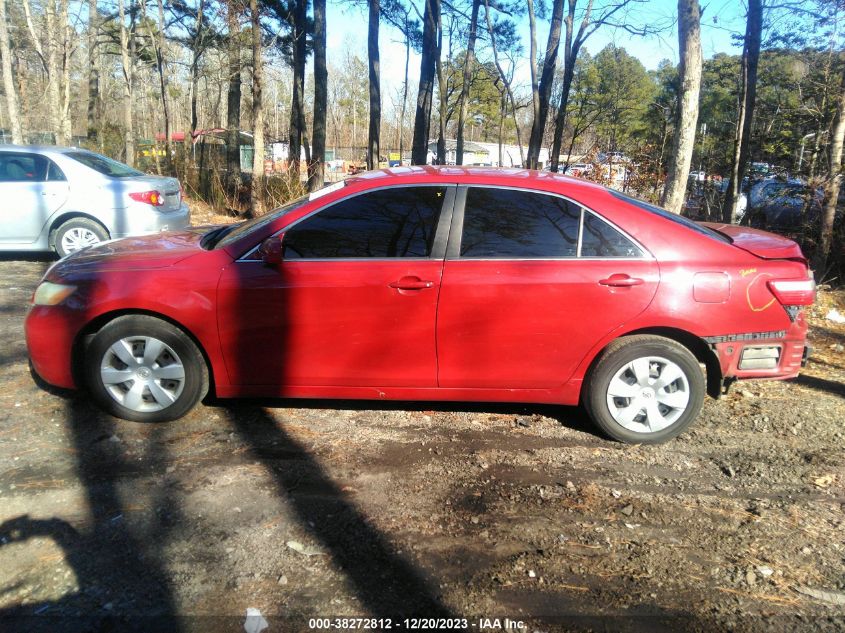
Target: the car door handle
(620, 280)
(411, 283)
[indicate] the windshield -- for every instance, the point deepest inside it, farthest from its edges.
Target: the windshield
(663, 213)
(238, 231)
(103, 165)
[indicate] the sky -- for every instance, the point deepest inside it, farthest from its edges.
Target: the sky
(346, 29)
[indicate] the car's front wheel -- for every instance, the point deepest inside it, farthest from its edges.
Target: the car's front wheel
(645, 389)
(78, 233)
(144, 369)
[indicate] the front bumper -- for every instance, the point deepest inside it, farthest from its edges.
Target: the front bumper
(50, 335)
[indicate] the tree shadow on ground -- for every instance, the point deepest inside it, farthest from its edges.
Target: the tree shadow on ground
(820, 384)
(387, 585)
(120, 575)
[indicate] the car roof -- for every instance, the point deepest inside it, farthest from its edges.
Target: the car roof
(511, 176)
(39, 149)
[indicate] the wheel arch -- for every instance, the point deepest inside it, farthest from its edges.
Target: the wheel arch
(697, 346)
(66, 216)
(83, 338)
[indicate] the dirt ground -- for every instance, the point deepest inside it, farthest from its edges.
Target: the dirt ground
(307, 510)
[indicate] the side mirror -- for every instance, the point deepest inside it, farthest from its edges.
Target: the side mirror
(271, 250)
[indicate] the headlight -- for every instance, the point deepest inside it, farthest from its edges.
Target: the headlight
(50, 294)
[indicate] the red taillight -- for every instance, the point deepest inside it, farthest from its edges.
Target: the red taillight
(794, 292)
(155, 198)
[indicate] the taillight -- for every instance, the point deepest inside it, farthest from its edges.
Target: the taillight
(154, 198)
(794, 292)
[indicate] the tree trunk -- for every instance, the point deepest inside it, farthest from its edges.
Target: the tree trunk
(375, 87)
(571, 47)
(9, 79)
(538, 127)
(317, 175)
(441, 95)
(257, 188)
(297, 109)
(532, 62)
(64, 110)
(689, 44)
(233, 97)
(750, 59)
(127, 55)
(54, 105)
(469, 63)
(831, 186)
(404, 96)
(93, 73)
(194, 70)
(422, 119)
(162, 78)
(505, 80)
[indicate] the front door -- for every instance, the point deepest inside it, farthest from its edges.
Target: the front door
(531, 282)
(354, 302)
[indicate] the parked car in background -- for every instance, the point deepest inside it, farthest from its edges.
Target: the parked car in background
(579, 169)
(783, 205)
(426, 283)
(66, 198)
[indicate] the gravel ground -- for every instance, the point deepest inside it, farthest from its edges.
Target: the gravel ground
(320, 510)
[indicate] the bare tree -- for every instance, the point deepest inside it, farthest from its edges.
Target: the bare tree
(9, 79)
(544, 91)
(592, 19)
(832, 185)
(257, 188)
(158, 43)
(233, 94)
(93, 72)
(750, 60)
(469, 63)
(296, 135)
(422, 119)
(127, 56)
(375, 86)
(689, 44)
(317, 173)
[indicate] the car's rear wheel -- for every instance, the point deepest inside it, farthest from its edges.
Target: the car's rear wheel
(78, 233)
(144, 369)
(645, 389)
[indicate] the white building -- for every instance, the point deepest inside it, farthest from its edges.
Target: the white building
(486, 154)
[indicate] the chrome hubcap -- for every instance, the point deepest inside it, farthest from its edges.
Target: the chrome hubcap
(77, 238)
(142, 373)
(648, 394)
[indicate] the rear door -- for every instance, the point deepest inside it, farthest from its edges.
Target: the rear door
(32, 189)
(531, 282)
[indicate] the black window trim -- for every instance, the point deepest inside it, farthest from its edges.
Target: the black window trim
(453, 249)
(438, 248)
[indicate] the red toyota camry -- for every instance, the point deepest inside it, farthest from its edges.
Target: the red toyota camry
(432, 284)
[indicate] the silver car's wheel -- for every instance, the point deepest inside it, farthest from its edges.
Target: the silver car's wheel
(76, 234)
(142, 374)
(78, 237)
(141, 368)
(648, 394)
(644, 389)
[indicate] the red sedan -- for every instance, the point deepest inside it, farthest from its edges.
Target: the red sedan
(432, 284)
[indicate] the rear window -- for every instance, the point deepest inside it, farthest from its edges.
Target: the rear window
(663, 213)
(104, 165)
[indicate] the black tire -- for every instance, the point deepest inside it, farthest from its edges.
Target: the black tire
(194, 384)
(84, 224)
(621, 353)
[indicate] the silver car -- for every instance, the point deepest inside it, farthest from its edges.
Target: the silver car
(66, 198)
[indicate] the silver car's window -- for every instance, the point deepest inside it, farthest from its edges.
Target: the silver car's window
(22, 167)
(104, 165)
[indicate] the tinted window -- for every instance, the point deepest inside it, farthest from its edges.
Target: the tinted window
(511, 223)
(22, 168)
(105, 166)
(396, 222)
(599, 239)
(663, 213)
(54, 174)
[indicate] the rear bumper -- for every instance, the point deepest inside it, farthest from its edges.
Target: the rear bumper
(142, 219)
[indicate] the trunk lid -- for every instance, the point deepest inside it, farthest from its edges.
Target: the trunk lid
(760, 243)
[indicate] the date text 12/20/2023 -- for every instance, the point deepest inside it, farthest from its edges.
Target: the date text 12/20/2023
(428, 624)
